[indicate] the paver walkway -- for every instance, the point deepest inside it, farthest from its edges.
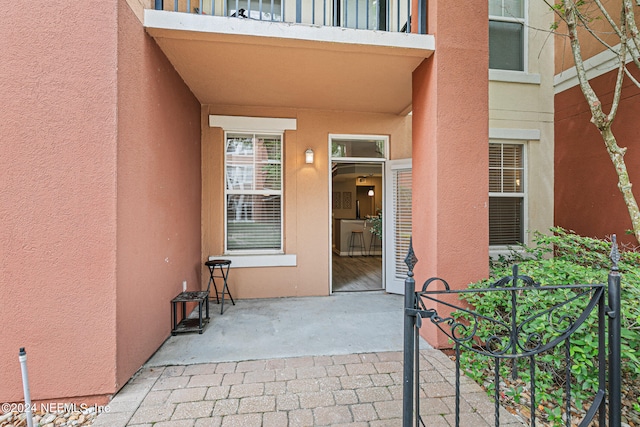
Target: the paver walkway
(340, 390)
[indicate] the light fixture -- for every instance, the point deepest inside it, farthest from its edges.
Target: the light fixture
(370, 192)
(308, 156)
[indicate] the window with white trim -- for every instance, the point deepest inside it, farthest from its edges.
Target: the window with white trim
(253, 192)
(506, 194)
(507, 34)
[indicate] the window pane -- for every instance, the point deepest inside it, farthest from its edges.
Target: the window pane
(512, 181)
(495, 7)
(511, 156)
(268, 163)
(239, 161)
(253, 163)
(513, 8)
(505, 220)
(358, 148)
(506, 168)
(495, 181)
(506, 8)
(495, 155)
(253, 222)
(506, 45)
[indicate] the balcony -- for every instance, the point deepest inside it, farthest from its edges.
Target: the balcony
(354, 55)
(382, 15)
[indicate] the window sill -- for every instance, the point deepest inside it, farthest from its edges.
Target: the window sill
(250, 261)
(497, 251)
(513, 77)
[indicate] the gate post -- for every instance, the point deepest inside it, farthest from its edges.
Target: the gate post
(615, 315)
(409, 340)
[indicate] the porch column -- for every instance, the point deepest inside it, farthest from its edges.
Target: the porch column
(450, 151)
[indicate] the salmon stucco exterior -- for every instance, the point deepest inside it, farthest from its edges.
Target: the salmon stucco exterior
(141, 139)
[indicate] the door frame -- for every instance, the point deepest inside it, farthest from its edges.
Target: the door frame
(382, 161)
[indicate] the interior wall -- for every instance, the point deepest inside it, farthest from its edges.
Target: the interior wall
(587, 198)
(306, 195)
(58, 204)
(159, 190)
(368, 205)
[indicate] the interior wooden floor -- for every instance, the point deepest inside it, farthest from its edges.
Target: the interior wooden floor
(360, 273)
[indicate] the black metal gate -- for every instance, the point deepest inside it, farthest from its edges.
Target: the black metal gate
(514, 340)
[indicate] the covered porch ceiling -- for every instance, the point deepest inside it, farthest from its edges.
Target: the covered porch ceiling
(232, 61)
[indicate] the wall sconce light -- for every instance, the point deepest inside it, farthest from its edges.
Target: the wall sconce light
(370, 192)
(308, 156)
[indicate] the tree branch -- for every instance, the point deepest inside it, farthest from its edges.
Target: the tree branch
(633, 79)
(598, 117)
(619, 78)
(608, 17)
(633, 29)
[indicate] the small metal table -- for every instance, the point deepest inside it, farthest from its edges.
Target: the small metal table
(190, 324)
(222, 272)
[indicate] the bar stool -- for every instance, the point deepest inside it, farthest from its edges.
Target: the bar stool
(374, 242)
(356, 240)
(222, 273)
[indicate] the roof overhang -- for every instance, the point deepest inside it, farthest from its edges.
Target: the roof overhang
(232, 61)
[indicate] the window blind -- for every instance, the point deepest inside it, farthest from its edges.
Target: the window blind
(505, 220)
(402, 182)
(253, 175)
(506, 194)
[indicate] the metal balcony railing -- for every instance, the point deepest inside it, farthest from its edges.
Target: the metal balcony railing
(381, 15)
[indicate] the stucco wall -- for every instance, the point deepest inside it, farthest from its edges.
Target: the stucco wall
(58, 204)
(589, 45)
(306, 195)
(450, 154)
(158, 237)
(529, 106)
(587, 199)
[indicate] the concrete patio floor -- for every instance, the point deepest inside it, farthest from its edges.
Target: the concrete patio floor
(321, 361)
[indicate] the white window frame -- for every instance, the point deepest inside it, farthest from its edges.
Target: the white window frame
(516, 75)
(254, 192)
(496, 250)
(243, 124)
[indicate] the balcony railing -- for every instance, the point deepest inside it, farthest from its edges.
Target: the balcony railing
(381, 15)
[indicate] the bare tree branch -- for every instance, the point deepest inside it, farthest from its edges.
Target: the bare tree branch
(606, 15)
(633, 30)
(617, 93)
(633, 79)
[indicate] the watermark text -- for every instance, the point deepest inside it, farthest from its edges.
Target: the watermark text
(53, 407)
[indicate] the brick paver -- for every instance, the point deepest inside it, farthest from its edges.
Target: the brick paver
(356, 390)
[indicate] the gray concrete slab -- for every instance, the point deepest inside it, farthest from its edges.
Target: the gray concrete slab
(343, 323)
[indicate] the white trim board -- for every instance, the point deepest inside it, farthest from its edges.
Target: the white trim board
(522, 134)
(247, 261)
(595, 66)
(513, 77)
(252, 124)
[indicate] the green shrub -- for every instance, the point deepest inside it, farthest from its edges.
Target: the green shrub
(576, 260)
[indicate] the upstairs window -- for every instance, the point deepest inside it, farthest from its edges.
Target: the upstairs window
(253, 192)
(506, 194)
(506, 35)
